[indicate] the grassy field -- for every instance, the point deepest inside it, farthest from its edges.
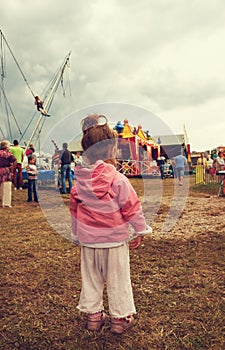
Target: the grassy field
(178, 285)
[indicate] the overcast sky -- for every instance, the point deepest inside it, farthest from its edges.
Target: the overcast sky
(165, 56)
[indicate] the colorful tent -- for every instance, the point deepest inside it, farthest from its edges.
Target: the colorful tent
(137, 150)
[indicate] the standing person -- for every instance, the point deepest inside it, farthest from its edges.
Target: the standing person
(7, 163)
(160, 163)
(180, 164)
(202, 160)
(32, 176)
(29, 152)
(18, 152)
(78, 159)
(209, 161)
(103, 204)
(212, 171)
(66, 158)
(220, 164)
(220, 161)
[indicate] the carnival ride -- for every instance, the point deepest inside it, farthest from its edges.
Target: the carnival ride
(10, 127)
(137, 151)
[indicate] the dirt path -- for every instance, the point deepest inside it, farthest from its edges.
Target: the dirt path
(193, 212)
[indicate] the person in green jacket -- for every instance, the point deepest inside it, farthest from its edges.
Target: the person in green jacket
(18, 153)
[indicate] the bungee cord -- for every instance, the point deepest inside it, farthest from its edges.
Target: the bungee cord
(48, 96)
(17, 63)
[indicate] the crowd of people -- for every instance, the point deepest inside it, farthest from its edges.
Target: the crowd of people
(211, 165)
(64, 162)
(7, 164)
(11, 170)
(11, 164)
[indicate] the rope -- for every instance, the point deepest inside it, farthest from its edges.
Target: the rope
(3, 75)
(2, 133)
(46, 93)
(52, 91)
(51, 100)
(27, 127)
(2, 60)
(10, 108)
(28, 85)
(7, 113)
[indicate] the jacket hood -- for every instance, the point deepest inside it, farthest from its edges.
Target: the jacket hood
(95, 180)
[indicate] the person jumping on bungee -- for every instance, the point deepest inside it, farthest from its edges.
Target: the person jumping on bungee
(40, 107)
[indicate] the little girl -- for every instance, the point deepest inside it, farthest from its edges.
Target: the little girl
(103, 204)
(32, 175)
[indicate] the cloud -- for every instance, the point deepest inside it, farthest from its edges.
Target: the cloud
(171, 92)
(167, 56)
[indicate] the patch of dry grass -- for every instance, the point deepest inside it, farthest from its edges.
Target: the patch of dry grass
(210, 188)
(178, 288)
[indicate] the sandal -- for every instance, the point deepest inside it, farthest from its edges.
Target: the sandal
(120, 325)
(96, 321)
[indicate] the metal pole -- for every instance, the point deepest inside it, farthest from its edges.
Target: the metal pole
(49, 99)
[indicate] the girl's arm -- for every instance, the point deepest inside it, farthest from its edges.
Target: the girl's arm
(130, 205)
(73, 212)
(135, 243)
(138, 237)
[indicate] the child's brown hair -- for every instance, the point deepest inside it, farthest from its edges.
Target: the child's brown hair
(98, 140)
(31, 158)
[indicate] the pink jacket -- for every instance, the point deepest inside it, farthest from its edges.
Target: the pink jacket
(103, 204)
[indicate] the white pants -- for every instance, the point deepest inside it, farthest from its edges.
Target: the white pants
(6, 193)
(110, 265)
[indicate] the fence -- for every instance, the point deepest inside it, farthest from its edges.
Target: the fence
(203, 177)
(135, 168)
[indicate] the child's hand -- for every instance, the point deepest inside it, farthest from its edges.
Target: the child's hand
(135, 243)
